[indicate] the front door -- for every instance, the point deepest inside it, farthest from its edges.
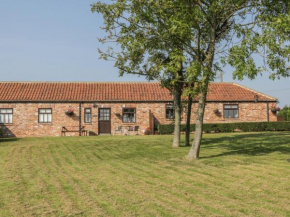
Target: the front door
(104, 121)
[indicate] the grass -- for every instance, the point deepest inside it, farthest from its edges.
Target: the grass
(238, 174)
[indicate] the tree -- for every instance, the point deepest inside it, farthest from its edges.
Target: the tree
(234, 32)
(148, 42)
(285, 113)
(161, 38)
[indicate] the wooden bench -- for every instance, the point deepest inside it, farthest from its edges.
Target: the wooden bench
(65, 130)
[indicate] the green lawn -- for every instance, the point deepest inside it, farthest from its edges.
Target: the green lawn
(238, 175)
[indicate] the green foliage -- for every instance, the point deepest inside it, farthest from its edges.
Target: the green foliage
(149, 37)
(183, 42)
(285, 113)
(157, 36)
(231, 127)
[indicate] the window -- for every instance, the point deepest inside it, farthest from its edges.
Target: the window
(88, 115)
(45, 115)
(169, 111)
(104, 114)
(129, 115)
(6, 116)
(231, 111)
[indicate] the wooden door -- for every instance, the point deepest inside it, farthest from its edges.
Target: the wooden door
(104, 121)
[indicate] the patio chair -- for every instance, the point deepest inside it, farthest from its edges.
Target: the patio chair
(136, 130)
(128, 130)
(118, 129)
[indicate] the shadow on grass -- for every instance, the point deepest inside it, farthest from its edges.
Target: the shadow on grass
(3, 140)
(249, 144)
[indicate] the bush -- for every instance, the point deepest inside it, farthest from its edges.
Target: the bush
(230, 127)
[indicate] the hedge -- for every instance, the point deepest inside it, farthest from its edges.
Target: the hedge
(231, 127)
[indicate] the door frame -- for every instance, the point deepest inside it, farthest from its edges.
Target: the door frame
(99, 120)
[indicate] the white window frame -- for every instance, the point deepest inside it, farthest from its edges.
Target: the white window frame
(45, 115)
(6, 116)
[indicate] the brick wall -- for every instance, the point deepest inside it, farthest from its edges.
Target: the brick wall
(25, 116)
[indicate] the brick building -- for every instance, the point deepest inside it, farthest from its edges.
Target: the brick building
(29, 109)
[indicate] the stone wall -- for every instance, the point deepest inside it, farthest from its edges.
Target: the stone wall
(25, 116)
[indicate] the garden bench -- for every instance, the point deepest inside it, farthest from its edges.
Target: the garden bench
(74, 129)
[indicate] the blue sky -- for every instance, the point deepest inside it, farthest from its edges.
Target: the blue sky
(57, 41)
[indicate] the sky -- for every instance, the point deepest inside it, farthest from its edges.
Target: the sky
(58, 41)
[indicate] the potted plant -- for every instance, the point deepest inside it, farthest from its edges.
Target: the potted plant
(275, 109)
(91, 133)
(148, 131)
(217, 112)
(69, 112)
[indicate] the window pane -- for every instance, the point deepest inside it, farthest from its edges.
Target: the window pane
(5, 118)
(236, 114)
(231, 113)
(125, 118)
(3, 111)
(49, 118)
(40, 118)
(169, 113)
(87, 118)
(11, 118)
(1, 119)
(226, 113)
(42, 111)
(45, 118)
(10, 111)
(48, 111)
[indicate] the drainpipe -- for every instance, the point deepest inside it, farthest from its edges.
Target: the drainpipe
(80, 118)
(268, 115)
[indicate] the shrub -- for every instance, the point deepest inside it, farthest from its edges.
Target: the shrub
(231, 127)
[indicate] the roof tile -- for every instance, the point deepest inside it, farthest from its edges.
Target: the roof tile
(97, 91)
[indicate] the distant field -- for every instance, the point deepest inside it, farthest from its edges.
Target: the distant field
(238, 174)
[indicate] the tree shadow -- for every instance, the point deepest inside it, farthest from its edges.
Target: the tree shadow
(249, 144)
(5, 132)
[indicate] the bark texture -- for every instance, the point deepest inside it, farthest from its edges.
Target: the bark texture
(177, 114)
(194, 151)
(187, 133)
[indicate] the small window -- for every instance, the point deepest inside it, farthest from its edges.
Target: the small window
(231, 111)
(6, 116)
(45, 115)
(169, 111)
(88, 115)
(129, 115)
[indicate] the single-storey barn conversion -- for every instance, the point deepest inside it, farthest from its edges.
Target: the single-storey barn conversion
(33, 109)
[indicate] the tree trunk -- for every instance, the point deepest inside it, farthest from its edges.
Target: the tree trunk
(187, 133)
(177, 114)
(194, 151)
(207, 73)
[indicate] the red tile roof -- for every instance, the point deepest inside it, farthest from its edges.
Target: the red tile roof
(97, 91)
